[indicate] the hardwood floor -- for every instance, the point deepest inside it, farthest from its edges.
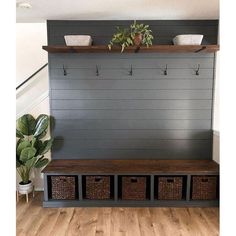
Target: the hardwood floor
(32, 219)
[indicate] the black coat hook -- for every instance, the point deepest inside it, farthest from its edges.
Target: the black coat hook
(197, 71)
(165, 71)
(131, 71)
(97, 71)
(64, 71)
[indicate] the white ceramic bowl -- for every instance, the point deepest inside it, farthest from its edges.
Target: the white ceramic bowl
(188, 39)
(78, 40)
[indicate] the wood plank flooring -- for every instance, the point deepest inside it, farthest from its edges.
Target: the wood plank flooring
(32, 219)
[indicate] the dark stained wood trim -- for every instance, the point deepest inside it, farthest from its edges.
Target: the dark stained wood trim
(132, 49)
(132, 166)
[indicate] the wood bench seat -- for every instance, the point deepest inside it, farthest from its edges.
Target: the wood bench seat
(208, 167)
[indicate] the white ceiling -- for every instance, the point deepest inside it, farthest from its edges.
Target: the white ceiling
(117, 10)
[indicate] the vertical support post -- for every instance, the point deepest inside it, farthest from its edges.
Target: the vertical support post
(188, 187)
(45, 176)
(17, 196)
(152, 188)
(27, 197)
(116, 187)
(80, 187)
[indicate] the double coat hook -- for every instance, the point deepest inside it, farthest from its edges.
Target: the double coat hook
(131, 71)
(197, 70)
(97, 71)
(64, 71)
(165, 70)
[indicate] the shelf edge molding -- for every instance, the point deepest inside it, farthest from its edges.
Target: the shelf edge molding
(133, 49)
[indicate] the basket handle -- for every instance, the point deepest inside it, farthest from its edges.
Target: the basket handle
(204, 180)
(133, 180)
(98, 179)
(170, 180)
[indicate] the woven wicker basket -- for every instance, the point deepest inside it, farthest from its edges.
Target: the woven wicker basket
(134, 188)
(98, 187)
(204, 187)
(170, 188)
(63, 187)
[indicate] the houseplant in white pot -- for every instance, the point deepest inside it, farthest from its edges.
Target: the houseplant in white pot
(141, 34)
(30, 148)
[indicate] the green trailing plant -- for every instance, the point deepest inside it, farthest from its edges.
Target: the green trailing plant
(30, 147)
(138, 34)
(143, 31)
(122, 37)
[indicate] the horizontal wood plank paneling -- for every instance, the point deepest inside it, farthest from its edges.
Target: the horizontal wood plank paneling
(116, 61)
(132, 114)
(87, 124)
(131, 94)
(132, 84)
(148, 115)
(131, 104)
(163, 31)
(132, 134)
(131, 144)
(173, 153)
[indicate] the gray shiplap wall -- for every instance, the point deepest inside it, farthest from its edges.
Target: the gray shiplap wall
(146, 115)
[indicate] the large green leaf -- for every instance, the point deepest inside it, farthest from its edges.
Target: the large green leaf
(21, 146)
(41, 163)
(41, 124)
(42, 135)
(38, 145)
(30, 163)
(45, 147)
(19, 134)
(26, 124)
(27, 154)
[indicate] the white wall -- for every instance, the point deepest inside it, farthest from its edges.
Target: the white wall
(30, 37)
(33, 97)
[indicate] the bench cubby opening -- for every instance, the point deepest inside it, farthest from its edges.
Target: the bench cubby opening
(98, 187)
(170, 187)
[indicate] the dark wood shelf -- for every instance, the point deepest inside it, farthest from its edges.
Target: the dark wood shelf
(133, 49)
(132, 166)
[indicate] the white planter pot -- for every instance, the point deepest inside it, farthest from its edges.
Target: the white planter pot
(188, 39)
(25, 188)
(78, 40)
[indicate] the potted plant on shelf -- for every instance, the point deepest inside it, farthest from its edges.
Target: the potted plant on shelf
(136, 34)
(122, 37)
(30, 148)
(141, 34)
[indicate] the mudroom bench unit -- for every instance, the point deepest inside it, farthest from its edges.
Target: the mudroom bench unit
(159, 183)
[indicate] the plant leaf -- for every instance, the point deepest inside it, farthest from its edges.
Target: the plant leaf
(41, 163)
(21, 146)
(26, 124)
(27, 154)
(45, 147)
(39, 146)
(30, 163)
(19, 134)
(41, 124)
(42, 135)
